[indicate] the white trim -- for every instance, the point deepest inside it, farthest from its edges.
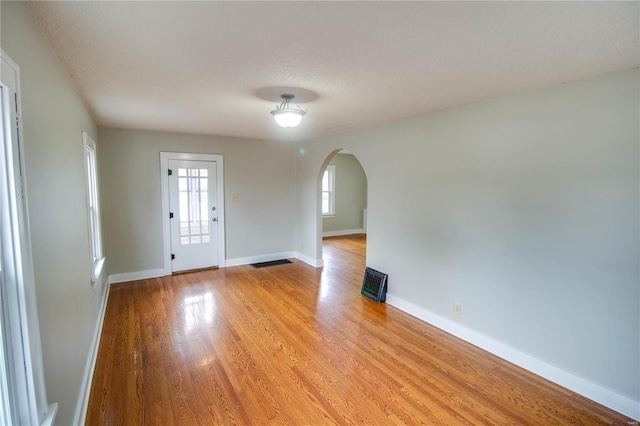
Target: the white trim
(93, 185)
(80, 414)
(138, 275)
(164, 184)
(49, 415)
(316, 263)
(597, 393)
(97, 270)
(343, 232)
(261, 258)
(156, 273)
(29, 388)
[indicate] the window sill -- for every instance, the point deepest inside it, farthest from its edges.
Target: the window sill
(329, 215)
(50, 415)
(97, 269)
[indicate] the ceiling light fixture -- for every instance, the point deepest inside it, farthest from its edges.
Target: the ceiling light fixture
(285, 115)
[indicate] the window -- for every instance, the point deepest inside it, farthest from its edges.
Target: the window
(328, 191)
(93, 206)
(193, 193)
(23, 398)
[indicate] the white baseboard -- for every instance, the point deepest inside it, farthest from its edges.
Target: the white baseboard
(155, 273)
(597, 393)
(139, 275)
(83, 399)
(316, 263)
(261, 258)
(343, 232)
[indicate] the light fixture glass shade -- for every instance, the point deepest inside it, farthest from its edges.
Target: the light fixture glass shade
(285, 115)
(288, 117)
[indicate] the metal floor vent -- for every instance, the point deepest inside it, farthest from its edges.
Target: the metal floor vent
(374, 285)
(272, 263)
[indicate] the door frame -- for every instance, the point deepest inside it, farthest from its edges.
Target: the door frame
(164, 182)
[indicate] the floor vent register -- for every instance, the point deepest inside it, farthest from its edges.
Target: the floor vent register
(271, 263)
(374, 285)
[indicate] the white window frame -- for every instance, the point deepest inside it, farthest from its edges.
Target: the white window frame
(94, 223)
(331, 171)
(24, 395)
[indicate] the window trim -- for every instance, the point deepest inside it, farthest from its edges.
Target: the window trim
(94, 220)
(331, 168)
(19, 309)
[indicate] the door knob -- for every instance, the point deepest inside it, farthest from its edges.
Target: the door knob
(215, 219)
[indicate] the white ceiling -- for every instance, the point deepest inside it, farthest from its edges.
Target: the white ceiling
(219, 67)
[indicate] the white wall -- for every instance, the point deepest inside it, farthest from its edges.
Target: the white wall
(350, 196)
(261, 173)
(522, 209)
(53, 120)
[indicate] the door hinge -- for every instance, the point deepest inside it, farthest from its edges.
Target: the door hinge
(170, 172)
(173, 257)
(170, 215)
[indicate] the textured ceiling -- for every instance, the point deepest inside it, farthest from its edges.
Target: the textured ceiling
(219, 67)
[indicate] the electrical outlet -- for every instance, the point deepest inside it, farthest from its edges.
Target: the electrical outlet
(457, 308)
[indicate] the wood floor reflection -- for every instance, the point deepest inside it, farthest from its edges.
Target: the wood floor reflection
(296, 345)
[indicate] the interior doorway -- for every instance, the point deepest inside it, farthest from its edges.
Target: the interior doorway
(343, 199)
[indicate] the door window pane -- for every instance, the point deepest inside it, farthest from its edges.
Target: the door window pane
(194, 206)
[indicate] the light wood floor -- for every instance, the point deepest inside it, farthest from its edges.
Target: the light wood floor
(296, 345)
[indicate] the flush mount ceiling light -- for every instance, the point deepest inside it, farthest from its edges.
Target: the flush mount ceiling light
(285, 115)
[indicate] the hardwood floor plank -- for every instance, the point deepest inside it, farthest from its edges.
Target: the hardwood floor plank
(296, 345)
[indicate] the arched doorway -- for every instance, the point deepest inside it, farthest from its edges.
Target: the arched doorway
(343, 191)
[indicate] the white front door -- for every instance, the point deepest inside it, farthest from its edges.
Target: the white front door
(194, 214)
